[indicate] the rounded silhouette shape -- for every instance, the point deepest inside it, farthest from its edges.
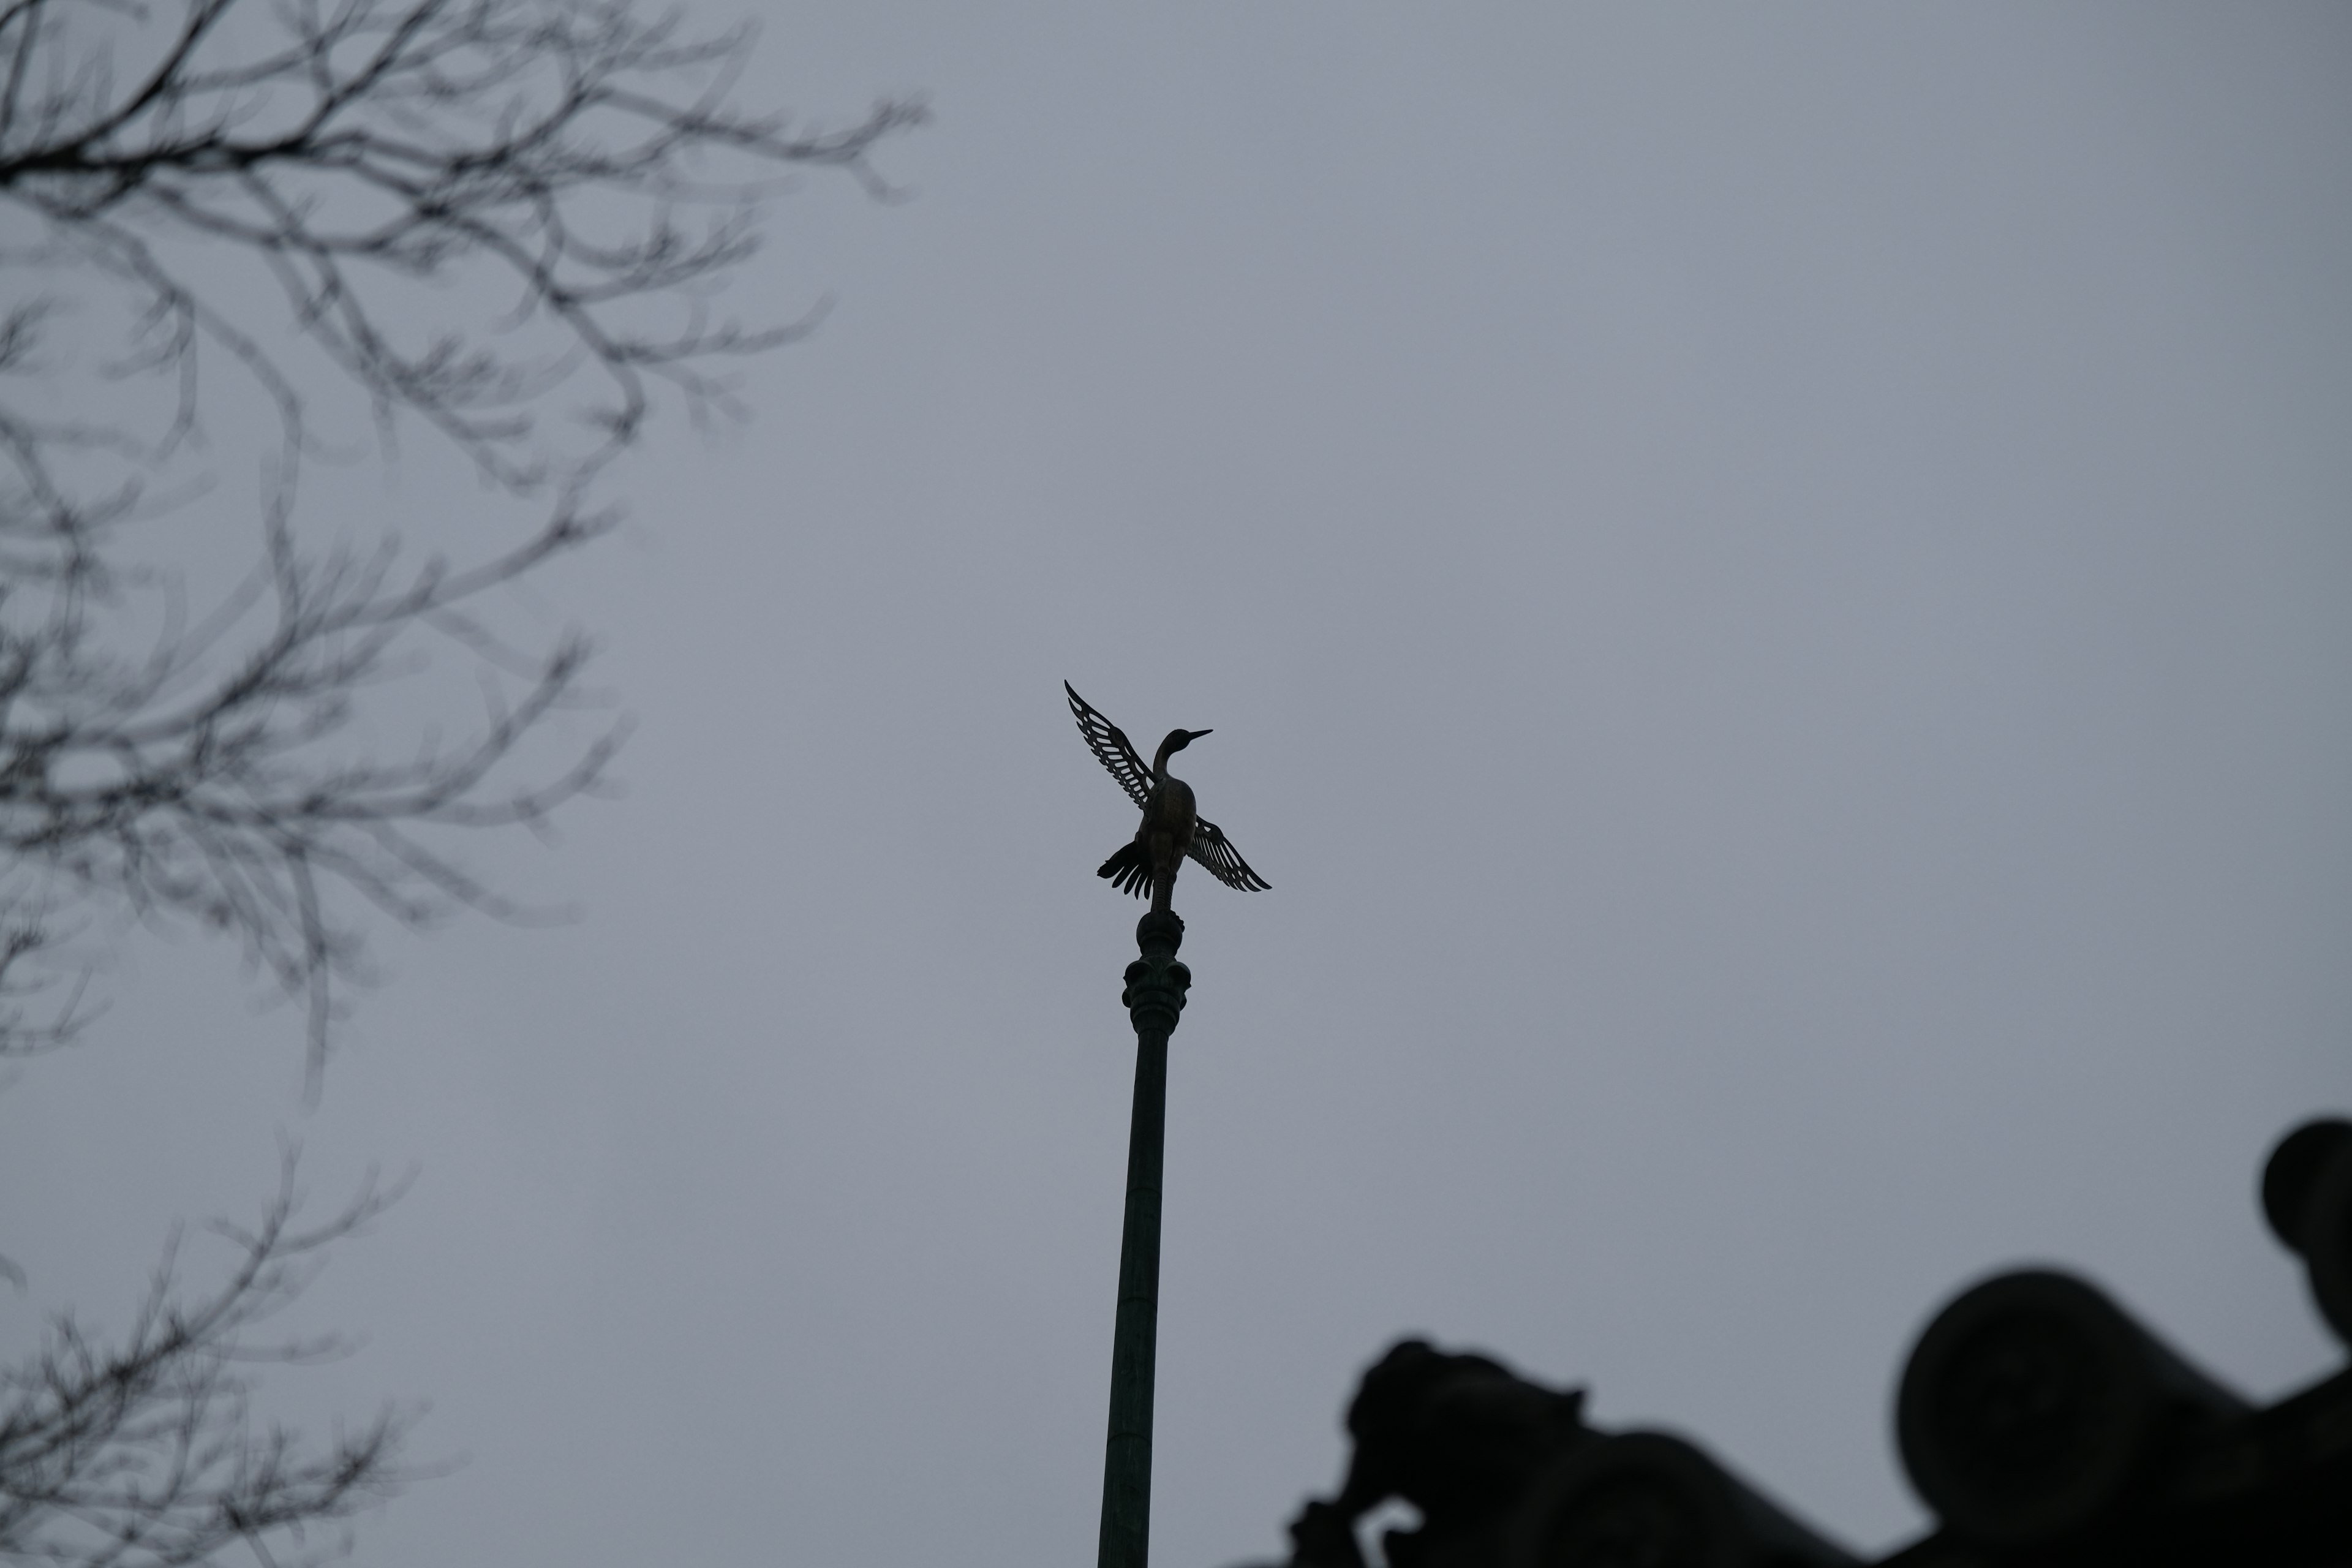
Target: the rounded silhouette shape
(2291, 1175)
(1647, 1499)
(2031, 1403)
(2325, 1238)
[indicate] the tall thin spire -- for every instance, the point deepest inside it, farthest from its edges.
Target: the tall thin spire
(1154, 998)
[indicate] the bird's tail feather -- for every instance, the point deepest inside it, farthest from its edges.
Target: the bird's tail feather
(1130, 869)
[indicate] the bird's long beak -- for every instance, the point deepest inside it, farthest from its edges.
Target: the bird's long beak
(1196, 734)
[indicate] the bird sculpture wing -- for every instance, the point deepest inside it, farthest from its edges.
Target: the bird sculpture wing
(1210, 848)
(1111, 749)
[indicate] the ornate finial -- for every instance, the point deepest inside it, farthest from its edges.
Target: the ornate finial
(1172, 828)
(1156, 982)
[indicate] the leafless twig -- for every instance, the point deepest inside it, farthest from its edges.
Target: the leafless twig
(468, 209)
(142, 1452)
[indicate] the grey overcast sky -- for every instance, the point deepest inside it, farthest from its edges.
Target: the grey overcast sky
(1774, 588)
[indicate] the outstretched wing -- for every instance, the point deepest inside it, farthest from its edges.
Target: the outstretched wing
(1110, 744)
(1224, 862)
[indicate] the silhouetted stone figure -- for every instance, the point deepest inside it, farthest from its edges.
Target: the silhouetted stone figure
(2044, 1424)
(2308, 1199)
(2047, 1427)
(2036, 1410)
(1506, 1474)
(1173, 826)
(1461, 1437)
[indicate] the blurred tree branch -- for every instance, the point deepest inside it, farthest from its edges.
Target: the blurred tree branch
(142, 1454)
(462, 208)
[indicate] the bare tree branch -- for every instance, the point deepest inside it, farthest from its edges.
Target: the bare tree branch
(144, 1452)
(365, 146)
(468, 209)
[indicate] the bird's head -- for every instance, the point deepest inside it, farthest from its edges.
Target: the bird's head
(1176, 741)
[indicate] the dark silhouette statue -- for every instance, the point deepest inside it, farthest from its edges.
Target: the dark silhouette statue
(1506, 1474)
(1173, 827)
(1460, 1437)
(2044, 1425)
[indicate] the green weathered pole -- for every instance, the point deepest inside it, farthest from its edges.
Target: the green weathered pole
(1156, 983)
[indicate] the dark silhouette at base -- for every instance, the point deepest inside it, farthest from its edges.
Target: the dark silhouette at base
(2044, 1425)
(1460, 1437)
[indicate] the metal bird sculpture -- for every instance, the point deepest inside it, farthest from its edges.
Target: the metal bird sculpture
(1172, 828)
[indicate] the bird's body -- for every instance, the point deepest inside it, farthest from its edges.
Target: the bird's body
(1172, 828)
(1171, 821)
